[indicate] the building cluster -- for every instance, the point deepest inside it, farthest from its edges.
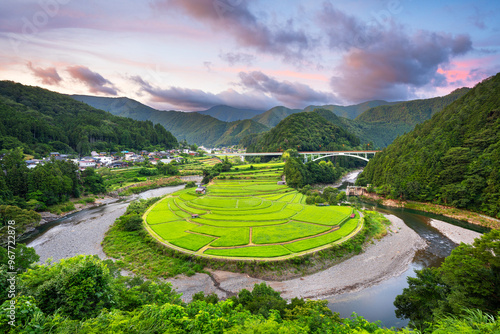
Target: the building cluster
(114, 159)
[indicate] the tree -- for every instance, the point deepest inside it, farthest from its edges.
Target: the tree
(468, 279)
(78, 287)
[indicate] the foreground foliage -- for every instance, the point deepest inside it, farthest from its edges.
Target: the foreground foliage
(468, 279)
(78, 288)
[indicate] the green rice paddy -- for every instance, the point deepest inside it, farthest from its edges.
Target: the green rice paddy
(246, 214)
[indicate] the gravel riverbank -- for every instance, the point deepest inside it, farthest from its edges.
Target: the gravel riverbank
(381, 260)
(455, 233)
(83, 232)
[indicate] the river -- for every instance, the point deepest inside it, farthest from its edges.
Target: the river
(82, 233)
(376, 302)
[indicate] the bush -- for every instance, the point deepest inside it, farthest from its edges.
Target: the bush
(131, 223)
(190, 184)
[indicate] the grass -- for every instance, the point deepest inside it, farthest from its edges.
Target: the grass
(173, 230)
(252, 251)
(247, 217)
(231, 236)
(306, 244)
(192, 241)
(325, 215)
(286, 232)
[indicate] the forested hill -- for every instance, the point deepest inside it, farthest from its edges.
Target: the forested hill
(230, 114)
(41, 121)
(351, 112)
(191, 126)
(453, 158)
(305, 131)
(410, 112)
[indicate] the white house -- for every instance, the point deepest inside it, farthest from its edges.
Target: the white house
(86, 164)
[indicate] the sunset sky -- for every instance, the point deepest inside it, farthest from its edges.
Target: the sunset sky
(194, 54)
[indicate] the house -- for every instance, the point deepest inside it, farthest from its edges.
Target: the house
(281, 183)
(195, 215)
(201, 190)
(353, 215)
(32, 163)
(54, 154)
(86, 164)
(94, 154)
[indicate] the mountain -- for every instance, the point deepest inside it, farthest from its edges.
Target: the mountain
(229, 114)
(41, 121)
(452, 158)
(305, 131)
(376, 135)
(275, 115)
(410, 112)
(353, 111)
(190, 126)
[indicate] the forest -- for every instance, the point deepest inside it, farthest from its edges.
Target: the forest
(41, 121)
(305, 131)
(451, 159)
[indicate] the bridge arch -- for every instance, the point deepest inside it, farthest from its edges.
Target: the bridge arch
(341, 155)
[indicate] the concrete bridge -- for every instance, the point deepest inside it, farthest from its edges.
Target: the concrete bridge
(307, 156)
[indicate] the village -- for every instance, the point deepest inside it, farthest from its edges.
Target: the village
(128, 158)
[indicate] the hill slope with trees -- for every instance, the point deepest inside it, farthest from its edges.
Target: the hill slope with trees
(305, 131)
(452, 159)
(190, 126)
(41, 121)
(230, 114)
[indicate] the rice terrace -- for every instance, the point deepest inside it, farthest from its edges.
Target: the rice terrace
(245, 214)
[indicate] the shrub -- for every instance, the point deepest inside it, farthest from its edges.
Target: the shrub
(190, 184)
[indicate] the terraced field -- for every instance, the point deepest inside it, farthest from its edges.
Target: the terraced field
(245, 214)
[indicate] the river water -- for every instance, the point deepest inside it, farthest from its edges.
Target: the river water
(373, 303)
(376, 302)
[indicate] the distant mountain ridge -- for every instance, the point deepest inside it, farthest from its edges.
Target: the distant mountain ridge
(377, 122)
(190, 126)
(229, 114)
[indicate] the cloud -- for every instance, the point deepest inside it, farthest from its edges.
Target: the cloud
(49, 75)
(233, 58)
(293, 94)
(396, 64)
(236, 18)
(95, 82)
(196, 99)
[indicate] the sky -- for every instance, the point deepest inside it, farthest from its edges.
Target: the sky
(194, 54)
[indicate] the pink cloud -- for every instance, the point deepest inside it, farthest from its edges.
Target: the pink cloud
(95, 82)
(49, 75)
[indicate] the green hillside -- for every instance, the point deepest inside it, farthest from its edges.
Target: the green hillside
(410, 112)
(191, 126)
(453, 158)
(41, 121)
(350, 112)
(378, 135)
(273, 116)
(305, 131)
(230, 114)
